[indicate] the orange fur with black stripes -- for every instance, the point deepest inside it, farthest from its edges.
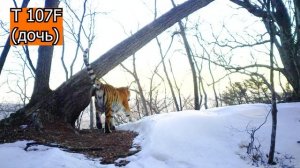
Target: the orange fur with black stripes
(108, 99)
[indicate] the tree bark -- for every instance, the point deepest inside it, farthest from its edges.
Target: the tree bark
(274, 105)
(70, 98)
(41, 83)
(43, 68)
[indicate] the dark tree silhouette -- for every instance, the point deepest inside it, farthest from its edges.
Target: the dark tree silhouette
(286, 33)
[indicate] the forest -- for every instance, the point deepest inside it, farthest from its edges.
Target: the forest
(173, 56)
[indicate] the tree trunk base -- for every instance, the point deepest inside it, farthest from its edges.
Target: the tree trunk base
(93, 143)
(45, 124)
(36, 116)
(272, 163)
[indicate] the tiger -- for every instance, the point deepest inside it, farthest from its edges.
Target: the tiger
(108, 99)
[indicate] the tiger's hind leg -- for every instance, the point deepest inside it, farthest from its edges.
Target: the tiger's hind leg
(108, 121)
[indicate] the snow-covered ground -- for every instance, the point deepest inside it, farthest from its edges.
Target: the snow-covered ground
(189, 139)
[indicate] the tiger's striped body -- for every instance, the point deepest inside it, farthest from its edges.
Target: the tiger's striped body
(108, 99)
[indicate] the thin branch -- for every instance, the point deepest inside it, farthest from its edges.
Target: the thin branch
(26, 51)
(254, 9)
(63, 61)
(7, 43)
(78, 35)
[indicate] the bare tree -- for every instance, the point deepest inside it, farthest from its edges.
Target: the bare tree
(166, 74)
(199, 38)
(22, 79)
(286, 17)
(163, 55)
(213, 81)
(192, 64)
(201, 86)
(155, 101)
(138, 83)
(274, 106)
(176, 86)
(279, 26)
(84, 29)
(152, 88)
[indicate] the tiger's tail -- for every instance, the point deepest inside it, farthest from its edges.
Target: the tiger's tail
(95, 87)
(89, 68)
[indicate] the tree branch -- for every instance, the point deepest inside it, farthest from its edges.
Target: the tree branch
(254, 9)
(7, 43)
(254, 66)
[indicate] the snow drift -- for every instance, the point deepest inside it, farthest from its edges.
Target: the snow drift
(208, 138)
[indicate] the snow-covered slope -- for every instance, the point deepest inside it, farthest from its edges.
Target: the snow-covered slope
(210, 138)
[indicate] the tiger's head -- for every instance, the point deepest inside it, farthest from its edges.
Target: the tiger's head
(128, 93)
(125, 95)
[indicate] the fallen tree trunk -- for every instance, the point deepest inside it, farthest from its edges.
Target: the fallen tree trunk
(69, 99)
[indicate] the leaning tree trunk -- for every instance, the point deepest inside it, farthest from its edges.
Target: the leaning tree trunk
(69, 99)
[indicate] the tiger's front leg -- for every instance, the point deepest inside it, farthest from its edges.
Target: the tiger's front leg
(108, 122)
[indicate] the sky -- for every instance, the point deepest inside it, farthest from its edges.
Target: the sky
(117, 20)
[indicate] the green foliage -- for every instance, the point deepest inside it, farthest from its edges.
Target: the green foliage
(252, 90)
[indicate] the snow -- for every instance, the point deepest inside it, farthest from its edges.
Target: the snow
(13, 155)
(207, 138)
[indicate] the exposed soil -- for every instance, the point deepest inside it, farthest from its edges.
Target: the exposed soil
(92, 143)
